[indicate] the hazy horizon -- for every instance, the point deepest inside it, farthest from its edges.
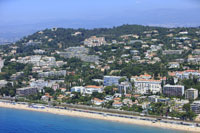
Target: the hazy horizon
(22, 17)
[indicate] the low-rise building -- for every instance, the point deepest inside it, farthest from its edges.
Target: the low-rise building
(39, 51)
(178, 104)
(3, 83)
(79, 52)
(136, 58)
(127, 102)
(40, 84)
(134, 52)
(46, 97)
(92, 88)
(174, 65)
(80, 89)
(171, 52)
(52, 73)
(187, 74)
(17, 75)
(156, 99)
(108, 98)
(196, 51)
(94, 41)
(195, 107)
(63, 89)
(97, 101)
(117, 104)
(194, 59)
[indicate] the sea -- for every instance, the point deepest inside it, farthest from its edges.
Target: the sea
(22, 121)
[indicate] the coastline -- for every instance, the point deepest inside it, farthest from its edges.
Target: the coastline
(102, 117)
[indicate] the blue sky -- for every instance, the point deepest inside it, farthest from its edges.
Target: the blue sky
(22, 17)
(31, 11)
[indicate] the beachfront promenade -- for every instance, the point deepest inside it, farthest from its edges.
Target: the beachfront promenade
(140, 120)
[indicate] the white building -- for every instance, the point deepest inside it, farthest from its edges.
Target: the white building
(1, 64)
(179, 103)
(38, 60)
(191, 94)
(80, 89)
(195, 106)
(144, 84)
(156, 99)
(117, 104)
(3, 83)
(40, 84)
(94, 41)
(111, 80)
(39, 51)
(124, 87)
(52, 73)
(97, 101)
(92, 88)
(187, 74)
(174, 65)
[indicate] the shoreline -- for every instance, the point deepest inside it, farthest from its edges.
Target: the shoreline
(102, 117)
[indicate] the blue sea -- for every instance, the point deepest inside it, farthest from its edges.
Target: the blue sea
(21, 121)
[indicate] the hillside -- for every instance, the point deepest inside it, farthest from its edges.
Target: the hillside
(64, 36)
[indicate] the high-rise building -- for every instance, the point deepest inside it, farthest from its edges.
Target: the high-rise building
(191, 94)
(26, 91)
(173, 90)
(124, 87)
(111, 80)
(145, 84)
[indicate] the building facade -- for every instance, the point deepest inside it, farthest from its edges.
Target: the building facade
(92, 88)
(191, 94)
(195, 107)
(3, 83)
(145, 84)
(80, 89)
(124, 87)
(111, 80)
(173, 90)
(94, 41)
(26, 91)
(1, 64)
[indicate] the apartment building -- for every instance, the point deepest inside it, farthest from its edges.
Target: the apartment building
(173, 90)
(191, 94)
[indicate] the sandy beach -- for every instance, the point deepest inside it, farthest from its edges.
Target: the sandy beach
(102, 117)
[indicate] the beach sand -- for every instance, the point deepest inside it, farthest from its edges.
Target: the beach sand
(102, 117)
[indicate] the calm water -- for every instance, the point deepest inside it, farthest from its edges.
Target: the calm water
(20, 121)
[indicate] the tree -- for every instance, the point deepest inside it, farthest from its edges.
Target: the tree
(109, 90)
(188, 114)
(122, 80)
(186, 107)
(133, 99)
(49, 90)
(97, 95)
(170, 81)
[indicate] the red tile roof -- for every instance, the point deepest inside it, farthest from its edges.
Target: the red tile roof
(93, 86)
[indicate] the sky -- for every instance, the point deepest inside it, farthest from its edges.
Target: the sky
(31, 15)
